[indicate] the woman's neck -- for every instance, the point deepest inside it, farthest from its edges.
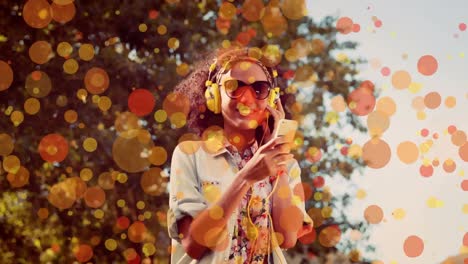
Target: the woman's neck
(233, 135)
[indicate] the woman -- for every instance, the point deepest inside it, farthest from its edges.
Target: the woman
(232, 199)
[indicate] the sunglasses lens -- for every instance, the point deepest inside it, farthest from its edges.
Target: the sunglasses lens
(261, 88)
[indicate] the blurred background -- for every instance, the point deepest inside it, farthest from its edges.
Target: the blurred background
(88, 123)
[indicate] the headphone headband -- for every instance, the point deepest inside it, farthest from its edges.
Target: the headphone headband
(271, 76)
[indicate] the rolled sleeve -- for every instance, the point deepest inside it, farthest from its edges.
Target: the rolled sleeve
(298, 198)
(185, 197)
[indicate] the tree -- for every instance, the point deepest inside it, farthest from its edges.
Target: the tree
(68, 163)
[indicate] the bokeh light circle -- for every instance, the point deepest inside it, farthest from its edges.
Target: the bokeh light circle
(141, 102)
(463, 152)
(377, 123)
(63, 13)
(137, 232)
(6, 144)
(373, 214)
(361, 101)
(152, 182)
(432, 100)
(386, 105)
(40, 52)
(53, 148)
(37, 13)
(376, 153)
(94, 197)
(458, 138)
(83, 253)
(86, 52)
(252, 10)
(427, 65)
(38, 84)
(293, 9)
(6, 76)
(129, 153)
(344, 25)
(330, 236)
(413, 246)
(407, 152)
(32, 106)
(96, 80)
(18, 179)
(401, 79)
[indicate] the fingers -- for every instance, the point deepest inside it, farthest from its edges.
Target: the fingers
(274, 142)
(283, 158)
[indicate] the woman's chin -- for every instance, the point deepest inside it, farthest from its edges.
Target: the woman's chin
(246, 122)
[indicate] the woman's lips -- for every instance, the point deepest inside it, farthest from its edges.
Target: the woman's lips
(244, 110)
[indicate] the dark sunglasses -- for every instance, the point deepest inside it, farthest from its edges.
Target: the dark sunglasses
(261, 88)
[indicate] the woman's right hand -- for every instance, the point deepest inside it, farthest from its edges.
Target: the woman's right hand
(268, 160)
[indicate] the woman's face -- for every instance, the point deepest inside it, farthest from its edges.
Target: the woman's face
(246, 111)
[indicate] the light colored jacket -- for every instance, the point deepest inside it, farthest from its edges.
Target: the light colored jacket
(195, 164)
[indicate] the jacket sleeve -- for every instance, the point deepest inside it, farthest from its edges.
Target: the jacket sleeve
(185, 197)
(294, 172)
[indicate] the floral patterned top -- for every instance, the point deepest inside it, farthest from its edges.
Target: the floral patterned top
(243, 250)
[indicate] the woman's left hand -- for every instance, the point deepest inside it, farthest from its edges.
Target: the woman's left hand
(277, 114)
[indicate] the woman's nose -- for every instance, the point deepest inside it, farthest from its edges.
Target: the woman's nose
(247, 95)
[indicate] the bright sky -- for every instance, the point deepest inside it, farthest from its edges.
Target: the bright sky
(415, 28)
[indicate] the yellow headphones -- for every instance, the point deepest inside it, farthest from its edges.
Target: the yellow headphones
(212, 93)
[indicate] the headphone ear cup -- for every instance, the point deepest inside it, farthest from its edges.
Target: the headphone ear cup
(213, 102)
(272, 97)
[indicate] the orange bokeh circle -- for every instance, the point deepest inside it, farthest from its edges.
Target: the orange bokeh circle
(53, 148)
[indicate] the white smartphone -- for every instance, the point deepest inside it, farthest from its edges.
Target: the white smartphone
(286, 128)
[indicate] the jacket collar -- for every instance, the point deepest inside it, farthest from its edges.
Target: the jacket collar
(229, 148)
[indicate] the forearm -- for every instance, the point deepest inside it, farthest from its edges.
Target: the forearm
(213, 220)
(282, 198)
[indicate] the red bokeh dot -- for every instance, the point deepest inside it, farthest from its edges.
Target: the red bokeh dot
(451, 129)
(465, 239)
(356, 28)
(369, 85)
(462, 26)
(318, 182)
(424, 132)
(344, 151)
(378, 23)
(309, 238)
(243, 38)
(427, 65)
(361, 101)
(141, 102)
(344, 25)
(123, 222)
(252, 32)
(463, 152)
(426, 170)
(385, 71)
(153, 14)
(435, 135)
(135, 260)
(464, 186)
(83, 253)
(288, 75)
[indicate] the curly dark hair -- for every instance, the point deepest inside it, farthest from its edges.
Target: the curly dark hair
(193, 87)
